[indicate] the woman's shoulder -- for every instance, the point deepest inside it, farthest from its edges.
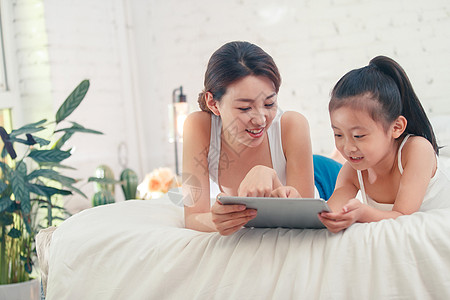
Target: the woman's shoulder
(197, 124)
(295, 119)
(198, 118)
(295, 132)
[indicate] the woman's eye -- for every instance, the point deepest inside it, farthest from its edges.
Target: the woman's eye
(244, 108)
(269, 104)
(337, 135)
(359, 136)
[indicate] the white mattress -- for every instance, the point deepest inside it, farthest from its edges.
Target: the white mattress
(140, 250)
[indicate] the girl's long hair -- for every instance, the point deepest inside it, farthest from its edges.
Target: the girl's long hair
(389, 94)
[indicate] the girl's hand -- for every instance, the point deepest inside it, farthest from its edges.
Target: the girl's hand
(337, 221)
(260, 181)
(230, 218)
(285, 192)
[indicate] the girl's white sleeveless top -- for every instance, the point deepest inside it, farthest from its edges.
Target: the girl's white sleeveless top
(437, 193)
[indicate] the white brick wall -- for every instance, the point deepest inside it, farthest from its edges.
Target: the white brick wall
(313, 42)
(136, 52)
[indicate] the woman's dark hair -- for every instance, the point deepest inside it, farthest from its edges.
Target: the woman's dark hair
(234, 61)
(388, 94)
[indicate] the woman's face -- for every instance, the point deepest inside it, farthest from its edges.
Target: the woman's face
(247, 110)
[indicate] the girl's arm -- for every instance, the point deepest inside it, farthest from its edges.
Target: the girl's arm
(419, 165)
(297, 148)
(345, 188)
(196, 194)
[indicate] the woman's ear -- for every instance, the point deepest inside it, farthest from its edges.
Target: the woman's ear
(211, 103)
(399, 126)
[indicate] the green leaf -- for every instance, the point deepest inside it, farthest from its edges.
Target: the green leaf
(51, 174)
(3, 186)
(4, 152)
(72, 102)
(29, 128)
(21, 167)
(78, 128)
(15, 233)
(41, 141)
(5, 202)
(5, 168)
(28, 267)
(62, 140)
(6, 219)
(48, 191)
(54, 155)
(20, 188)
(55, 165)
(20, 131)
(77, 191)
(36, 189)
(27, 221)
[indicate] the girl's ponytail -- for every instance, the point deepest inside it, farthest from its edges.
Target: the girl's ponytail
(412, 110)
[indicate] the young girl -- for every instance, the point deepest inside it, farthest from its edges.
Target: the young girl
(242, 141)
(382, 131)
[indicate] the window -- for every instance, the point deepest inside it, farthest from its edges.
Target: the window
(9, 96)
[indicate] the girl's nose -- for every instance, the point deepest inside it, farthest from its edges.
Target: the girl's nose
(349, 146)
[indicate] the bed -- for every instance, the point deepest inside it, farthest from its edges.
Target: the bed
(139, 250)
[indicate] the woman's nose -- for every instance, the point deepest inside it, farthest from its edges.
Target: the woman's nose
(258, 118)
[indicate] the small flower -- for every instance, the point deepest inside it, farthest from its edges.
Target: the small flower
(160, 180)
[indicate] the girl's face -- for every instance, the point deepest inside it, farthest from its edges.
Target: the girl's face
(363, 142)
(247, 110)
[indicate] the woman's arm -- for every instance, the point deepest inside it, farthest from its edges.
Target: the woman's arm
(297, 148)
(196, 198)
(263, 181)
(196, 195)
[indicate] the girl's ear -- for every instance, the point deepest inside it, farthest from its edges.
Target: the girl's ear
(399, 126)
(211, 103)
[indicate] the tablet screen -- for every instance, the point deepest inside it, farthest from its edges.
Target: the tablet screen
(281, 212)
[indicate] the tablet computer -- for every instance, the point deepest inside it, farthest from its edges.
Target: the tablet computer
(281, 212)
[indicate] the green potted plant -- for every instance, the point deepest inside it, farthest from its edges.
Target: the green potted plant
(32, 185)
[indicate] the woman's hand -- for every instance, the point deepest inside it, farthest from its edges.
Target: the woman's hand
(260, 181)
(230, 218)
(337, 221)
(285, 192)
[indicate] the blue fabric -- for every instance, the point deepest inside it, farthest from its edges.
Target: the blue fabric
(326, 171)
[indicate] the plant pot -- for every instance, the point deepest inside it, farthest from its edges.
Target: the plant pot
(23, 290)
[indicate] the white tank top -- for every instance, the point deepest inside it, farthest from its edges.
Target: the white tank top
(436, 194)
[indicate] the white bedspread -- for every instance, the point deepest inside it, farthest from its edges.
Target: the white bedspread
(139, 250)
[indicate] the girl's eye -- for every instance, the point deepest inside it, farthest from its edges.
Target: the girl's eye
(269, 104)
(244, 108)
(359, 136)
(337, 135)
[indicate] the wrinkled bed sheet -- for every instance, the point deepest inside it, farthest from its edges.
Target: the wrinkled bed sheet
(140, 250)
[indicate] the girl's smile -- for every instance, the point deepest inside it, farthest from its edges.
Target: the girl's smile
(362, 141)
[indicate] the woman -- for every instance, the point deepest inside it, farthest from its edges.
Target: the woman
(242, 141)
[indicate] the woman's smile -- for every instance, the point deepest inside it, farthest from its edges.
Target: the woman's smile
(255, 133)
